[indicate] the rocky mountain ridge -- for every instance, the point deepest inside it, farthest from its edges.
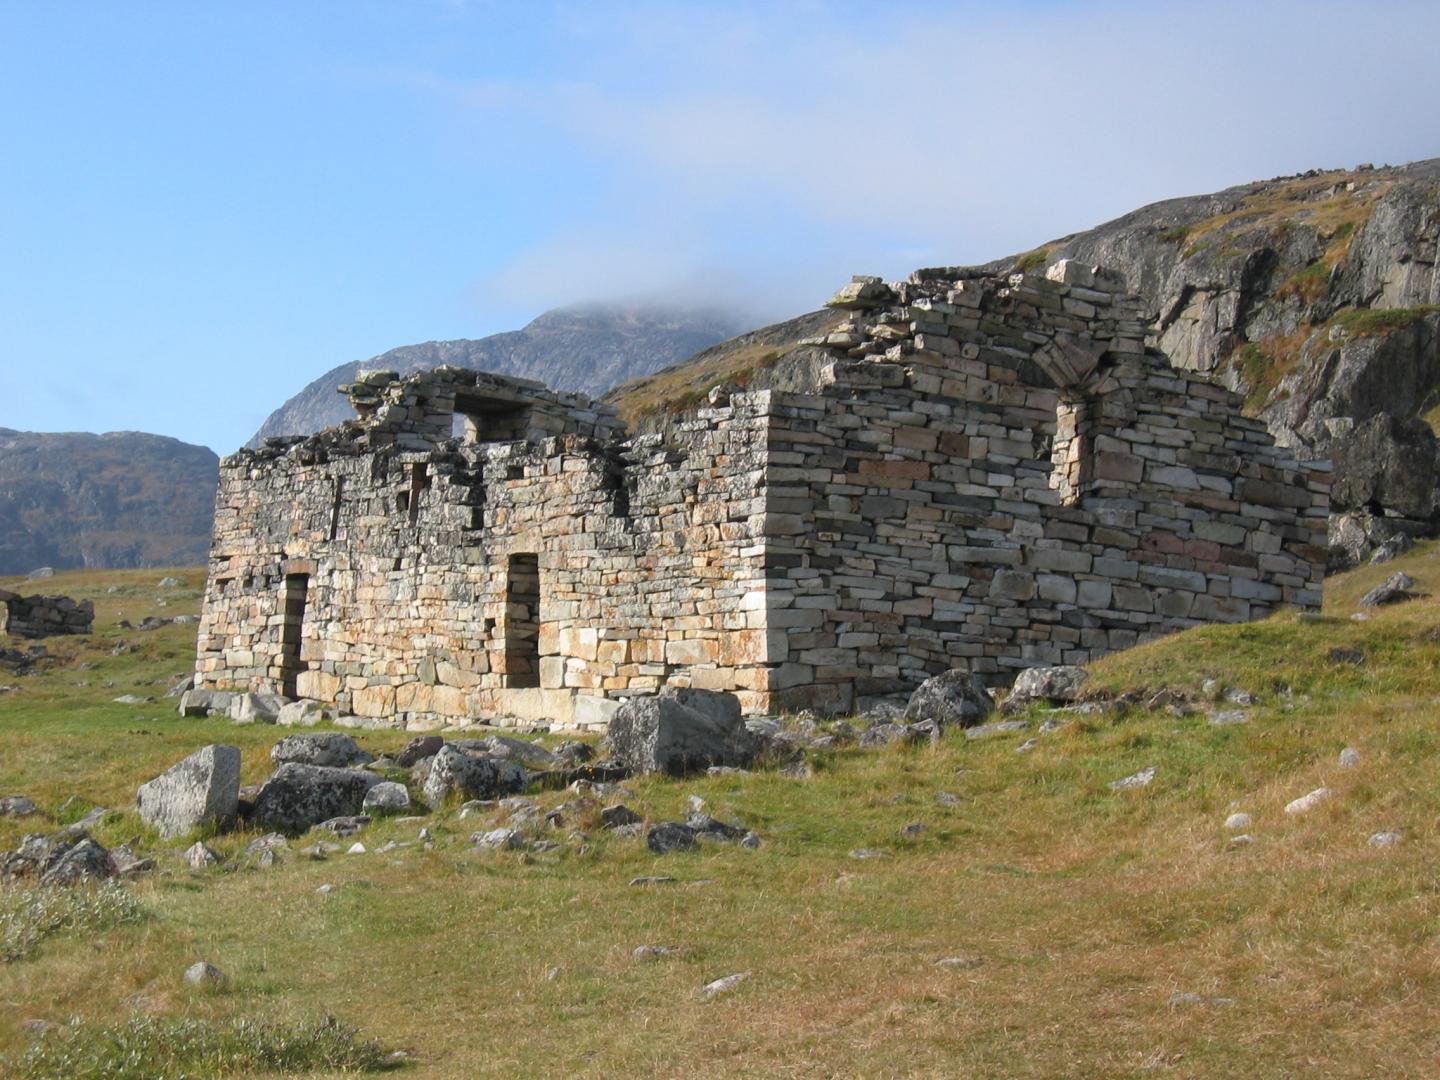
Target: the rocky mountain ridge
(121, 499)
(586, 348)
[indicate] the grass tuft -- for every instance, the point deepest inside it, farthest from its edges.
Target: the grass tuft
(151, 1048)
(29, 916)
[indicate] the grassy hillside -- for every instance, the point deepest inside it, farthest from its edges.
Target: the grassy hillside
(1089, 932)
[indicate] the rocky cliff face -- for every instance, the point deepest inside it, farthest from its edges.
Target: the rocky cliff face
(586, 349)
(124, 499)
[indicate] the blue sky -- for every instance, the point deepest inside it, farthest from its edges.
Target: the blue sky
(205, 205)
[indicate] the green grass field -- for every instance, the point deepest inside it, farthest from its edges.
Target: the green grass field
(1078, 913)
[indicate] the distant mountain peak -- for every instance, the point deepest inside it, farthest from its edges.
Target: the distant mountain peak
(587, 347)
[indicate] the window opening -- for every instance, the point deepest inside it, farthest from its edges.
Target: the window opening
(522, 621)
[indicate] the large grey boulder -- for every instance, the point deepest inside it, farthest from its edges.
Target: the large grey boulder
(332, 748)
(1392, 590)
(297, 797)
(386, 798)
(257, 708)
(957, 698)
(1389, 463)
(205, 702)
(474, 776)
(204, 787)
(1060, 684)
(681, 732)
(303, 713)
(530, 754)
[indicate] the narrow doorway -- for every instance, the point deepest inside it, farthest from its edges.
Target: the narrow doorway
(522, 621)
(292, 601)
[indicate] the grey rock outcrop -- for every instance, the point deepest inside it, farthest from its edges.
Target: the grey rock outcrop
(202, 788)
(386, 798)
(332, 748)
(256, 708)
(1061, 684)
(16, 806)
(1388, 464)
(473, 776)
(1392, 590)
(298, 797)
(681, 732)
(955, 698)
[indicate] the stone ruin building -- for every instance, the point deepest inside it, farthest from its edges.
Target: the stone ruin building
(983, 473)
(42, 616)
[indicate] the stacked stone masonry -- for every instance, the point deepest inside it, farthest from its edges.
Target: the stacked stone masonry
(42, 616)
(988, 473)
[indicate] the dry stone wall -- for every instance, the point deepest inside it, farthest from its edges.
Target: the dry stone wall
(43, 616)
(463, 579)
(999, 474)
(990, 474)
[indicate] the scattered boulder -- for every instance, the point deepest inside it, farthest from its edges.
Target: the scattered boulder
(199, 857)
(1349, 757)
(723, 985)
(169, 582)
(16, 806)
(304, 713)
(387, 797)
(1237, 821)
(180, 686)
(498, 839)
(125, 863)
(956, 698)
(1057, 685)
(1134, 780)
(1392, 590)
(681, 731)
(613, 817)
(204, 787)
(257, 708)
(653, 952)
(71, 862)
(670, 836)
(297, 797)
(530, 754)
(331, 748)
(706, 827)
(1306, 803)
(1360, 537)
(205, 702)
(348, 825)
(1384, 839)
(417, 750)
(997, 727)
(205, 975)
(470, 775)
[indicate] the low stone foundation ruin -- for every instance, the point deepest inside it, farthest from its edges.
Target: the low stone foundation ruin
(987, 473)
(43, 616)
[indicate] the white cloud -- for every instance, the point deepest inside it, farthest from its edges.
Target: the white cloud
(822, 136)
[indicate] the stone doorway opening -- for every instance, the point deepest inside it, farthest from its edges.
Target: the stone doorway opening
(522, 622)
(293, 596)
